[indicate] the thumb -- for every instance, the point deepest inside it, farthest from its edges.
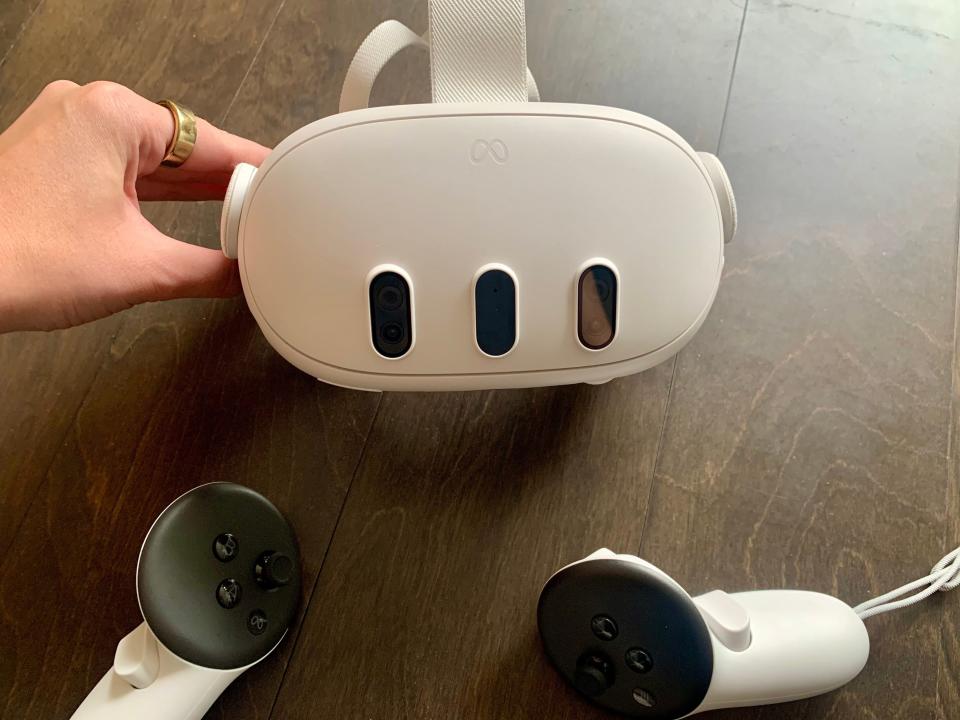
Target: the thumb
(180, 270)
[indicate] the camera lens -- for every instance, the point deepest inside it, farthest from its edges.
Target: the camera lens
(389, 298)
(603, 290)
(597, 307)
(392, 332)
(391, 320)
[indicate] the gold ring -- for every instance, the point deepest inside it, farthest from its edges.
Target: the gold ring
(184, 134)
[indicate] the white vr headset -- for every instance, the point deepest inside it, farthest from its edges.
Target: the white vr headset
(485, 240)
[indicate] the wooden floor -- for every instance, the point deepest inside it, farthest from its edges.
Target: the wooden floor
(806, 437)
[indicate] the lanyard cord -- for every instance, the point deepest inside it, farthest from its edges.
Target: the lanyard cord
(944, 576)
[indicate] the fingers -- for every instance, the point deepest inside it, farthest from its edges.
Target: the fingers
(219, 151)
(206, 173)
(143, 131)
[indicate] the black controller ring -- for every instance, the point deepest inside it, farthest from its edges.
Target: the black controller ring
(627, 637)
(188, 586)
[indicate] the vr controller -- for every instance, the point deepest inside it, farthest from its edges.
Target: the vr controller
(632, 640)
(481, 241)
(218, 582)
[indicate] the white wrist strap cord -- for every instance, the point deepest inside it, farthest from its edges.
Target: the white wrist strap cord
(478, 53)
(944, 576)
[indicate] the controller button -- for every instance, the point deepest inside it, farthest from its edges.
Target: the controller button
(226, 547)
(273, 570)
(257, 622)
(604, 627)
(644, 697)
(228, 593)
(638, 660)
(594, 674)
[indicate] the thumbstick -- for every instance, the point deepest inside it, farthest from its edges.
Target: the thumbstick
(594, 674)
(273, 570)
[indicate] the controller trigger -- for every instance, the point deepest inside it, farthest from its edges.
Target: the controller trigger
(137, 659)
(727, 619)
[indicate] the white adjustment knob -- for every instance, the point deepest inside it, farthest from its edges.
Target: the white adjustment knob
(726, 618)
(721, 183)
(137, 659)
(232, 205)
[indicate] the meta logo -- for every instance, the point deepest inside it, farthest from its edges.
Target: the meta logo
(483, 150)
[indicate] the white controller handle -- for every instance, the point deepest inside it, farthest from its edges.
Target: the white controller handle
(148, 682)
(798, 644)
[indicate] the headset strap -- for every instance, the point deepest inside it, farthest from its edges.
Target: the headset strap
(478, 53)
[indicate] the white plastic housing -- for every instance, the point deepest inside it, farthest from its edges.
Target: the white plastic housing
(444, 190)
(802, 644)
(179, 690)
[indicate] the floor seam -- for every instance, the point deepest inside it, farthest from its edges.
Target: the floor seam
(733, 74)
(23, 28)
(253, 61)
(676, 359)
(323, 561)
(656, 455)
(954, 406)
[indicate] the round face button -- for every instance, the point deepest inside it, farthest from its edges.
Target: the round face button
(226, 547)
(604, 627)
(197, 582)
(638, 660)
(229, 593)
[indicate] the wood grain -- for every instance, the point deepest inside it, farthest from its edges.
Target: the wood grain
(14, 16)
(819, 392)
(807, 437)
(464, 503)
(156, 401)
(46, 376)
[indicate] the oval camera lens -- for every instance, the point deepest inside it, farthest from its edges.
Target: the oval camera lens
(392, 332)
(391, 322)
(603, 290)
(389, 298)
(597, 307)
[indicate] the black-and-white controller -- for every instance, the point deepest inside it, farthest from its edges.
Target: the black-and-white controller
(631, 639)
(218, 581)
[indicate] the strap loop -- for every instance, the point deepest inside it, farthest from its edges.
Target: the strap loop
(456, 75)
(478, 51)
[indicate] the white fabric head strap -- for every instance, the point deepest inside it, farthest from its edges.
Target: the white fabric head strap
(478, 51)
(473, 54)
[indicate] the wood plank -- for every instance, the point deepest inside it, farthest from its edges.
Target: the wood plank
(14, 16)
(465, 503)
(948, 679)
(807, 436)
(46, 376)
(176, 394)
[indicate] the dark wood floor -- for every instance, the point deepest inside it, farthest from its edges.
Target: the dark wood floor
(806, 437)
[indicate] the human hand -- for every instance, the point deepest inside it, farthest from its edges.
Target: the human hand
(74, 246)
